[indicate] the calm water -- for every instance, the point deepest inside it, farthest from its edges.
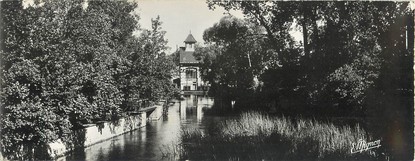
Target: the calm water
(145, 143)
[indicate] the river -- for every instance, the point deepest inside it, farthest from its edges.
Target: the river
(147, 143)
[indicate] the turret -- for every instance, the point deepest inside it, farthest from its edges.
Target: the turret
(190, 43)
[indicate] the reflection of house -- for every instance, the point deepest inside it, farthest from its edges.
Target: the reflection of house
(190, 73)
(193, 105)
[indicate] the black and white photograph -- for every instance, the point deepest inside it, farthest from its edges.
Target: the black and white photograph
(206, 80)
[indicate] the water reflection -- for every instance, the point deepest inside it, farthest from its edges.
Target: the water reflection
(194, 105)
(145, 143)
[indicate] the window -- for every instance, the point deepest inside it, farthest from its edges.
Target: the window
(191, 73)
(186, 88)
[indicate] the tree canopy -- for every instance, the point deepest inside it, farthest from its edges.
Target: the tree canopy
(341, 51)
(69, 63)
(355, 59)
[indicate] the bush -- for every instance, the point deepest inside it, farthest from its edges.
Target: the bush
(64, 65)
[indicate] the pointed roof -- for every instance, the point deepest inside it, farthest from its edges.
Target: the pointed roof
(190, 39)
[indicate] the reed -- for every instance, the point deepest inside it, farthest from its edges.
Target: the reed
(171, 151)
(257, 136)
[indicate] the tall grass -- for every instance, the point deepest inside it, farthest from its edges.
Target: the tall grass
(330, 138)
(171, 151)
(256, 136)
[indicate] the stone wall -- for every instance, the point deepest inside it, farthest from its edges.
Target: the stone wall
(158, 112)
(96, 133)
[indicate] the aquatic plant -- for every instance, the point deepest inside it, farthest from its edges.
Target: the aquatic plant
(171, 151)
(257, 136)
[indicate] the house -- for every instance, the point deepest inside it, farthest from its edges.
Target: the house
(190, 74)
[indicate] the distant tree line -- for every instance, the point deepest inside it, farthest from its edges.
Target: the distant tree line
(347, 48)
(69, 63)
(355, 59)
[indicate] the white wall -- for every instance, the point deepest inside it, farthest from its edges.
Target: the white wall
(185, 82)
(94, 134)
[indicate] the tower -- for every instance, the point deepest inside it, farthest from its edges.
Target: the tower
(190, 78)
(190, 43)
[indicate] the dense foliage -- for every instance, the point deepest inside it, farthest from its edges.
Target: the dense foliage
(233, 58)
(68, 63)
(346, 46)
(355, 59)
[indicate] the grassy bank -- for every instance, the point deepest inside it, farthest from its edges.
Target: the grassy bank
(256, 136)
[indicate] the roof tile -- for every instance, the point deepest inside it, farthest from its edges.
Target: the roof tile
(190, 39)
(188, 57)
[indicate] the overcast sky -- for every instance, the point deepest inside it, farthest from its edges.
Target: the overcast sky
(179, 17)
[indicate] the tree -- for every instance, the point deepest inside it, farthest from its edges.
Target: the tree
(390, 101)
(355, 62)
(232, 58)
(339, 38)
(60, 67)
(282, 56)
(149, 70)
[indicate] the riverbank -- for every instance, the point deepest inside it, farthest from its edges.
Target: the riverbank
(256, 136)
(97, 133)
(147, 143)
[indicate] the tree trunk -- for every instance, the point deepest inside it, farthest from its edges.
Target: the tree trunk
(305, 34)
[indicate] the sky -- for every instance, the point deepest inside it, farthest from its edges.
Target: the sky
(180, 17)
